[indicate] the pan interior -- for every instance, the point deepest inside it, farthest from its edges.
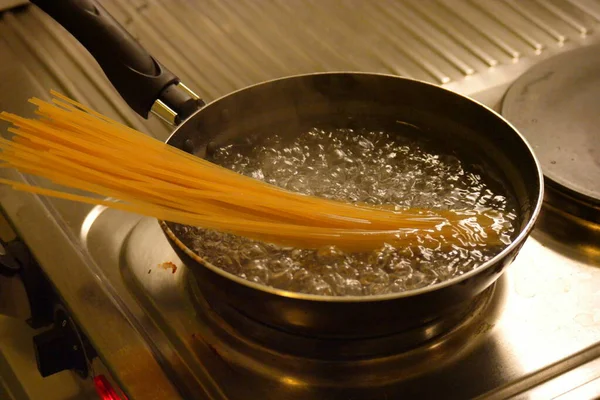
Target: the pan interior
(360, 104)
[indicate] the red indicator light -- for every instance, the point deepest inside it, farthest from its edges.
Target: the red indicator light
(105, 390)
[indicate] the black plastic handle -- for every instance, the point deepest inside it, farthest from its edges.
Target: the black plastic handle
(137, 76)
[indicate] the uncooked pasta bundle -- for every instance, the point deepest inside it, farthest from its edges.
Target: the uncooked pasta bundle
(76, 147)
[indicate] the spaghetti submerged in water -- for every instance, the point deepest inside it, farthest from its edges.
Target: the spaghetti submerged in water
(76, 147)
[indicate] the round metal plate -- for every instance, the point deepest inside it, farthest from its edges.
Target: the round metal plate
(556, 106)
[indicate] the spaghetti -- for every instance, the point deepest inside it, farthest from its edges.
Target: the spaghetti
(76, 147)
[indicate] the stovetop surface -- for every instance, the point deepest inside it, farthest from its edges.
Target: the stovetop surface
(149, 324)
(543, 310)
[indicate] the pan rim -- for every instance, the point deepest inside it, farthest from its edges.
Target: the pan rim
(515, 244)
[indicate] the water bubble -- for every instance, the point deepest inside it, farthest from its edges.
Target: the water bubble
(317, 285)
(347, 271)
(415, 280)
(257, 271)
(339, 155)
(402, 266)
(258, 174)
(329, 254)
(353, 287)
(366, 144)
(335, 281)
(378, 288)
(282, 279)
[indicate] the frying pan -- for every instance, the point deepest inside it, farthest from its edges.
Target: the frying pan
(293, 105)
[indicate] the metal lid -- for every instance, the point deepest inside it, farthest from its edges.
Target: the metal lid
(556, 106)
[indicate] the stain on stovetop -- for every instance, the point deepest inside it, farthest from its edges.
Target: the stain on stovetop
(527, 87)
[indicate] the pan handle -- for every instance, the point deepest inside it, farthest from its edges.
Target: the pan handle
(141, 80)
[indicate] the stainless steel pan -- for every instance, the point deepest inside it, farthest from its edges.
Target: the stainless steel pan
(292, 105)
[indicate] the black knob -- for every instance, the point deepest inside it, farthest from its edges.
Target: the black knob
(60, 348)
(16, 259)
(8, 264)
(54, 352)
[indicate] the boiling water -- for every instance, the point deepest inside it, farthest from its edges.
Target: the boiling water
(371, 167)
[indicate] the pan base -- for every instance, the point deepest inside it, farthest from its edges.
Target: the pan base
(241, 328)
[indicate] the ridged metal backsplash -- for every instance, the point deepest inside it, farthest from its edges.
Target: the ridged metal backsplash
(217, 46)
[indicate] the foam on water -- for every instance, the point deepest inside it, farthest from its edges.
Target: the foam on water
(356, 166)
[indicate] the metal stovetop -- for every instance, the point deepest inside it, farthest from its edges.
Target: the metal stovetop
(535, 335)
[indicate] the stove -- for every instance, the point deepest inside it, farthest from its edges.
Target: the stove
(534, 334)
(542, 311)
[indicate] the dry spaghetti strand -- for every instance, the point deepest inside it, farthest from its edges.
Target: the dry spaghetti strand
(75, 147)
